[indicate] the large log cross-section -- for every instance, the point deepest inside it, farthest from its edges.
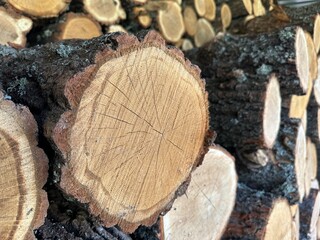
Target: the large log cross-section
(128, 115)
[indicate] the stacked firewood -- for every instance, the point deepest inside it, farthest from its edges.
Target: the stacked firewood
(125, 131)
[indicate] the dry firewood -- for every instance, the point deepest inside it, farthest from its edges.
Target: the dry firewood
(296, 221)
(223, 18)
(258, 8)
(116, 28)
(190, 20)
(170, 22)
(283, 174)
(210, 196)
(284, 53)
(311, 165)
(313, 125)
(40, 9)
(316, 86)
(239, 8)
(309, 213)
(23, 172)
(204, 32)
(116, 109)
(13, 28)
(298, 104)
(259, 215)
(316, 33)
(78, 26)
(200, 6)
(210, 13)
(105, 11)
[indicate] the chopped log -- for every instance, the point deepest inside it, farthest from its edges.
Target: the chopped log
(186, 45)
(259, 215)
(200, 6)
(78, 26)
(258, 8)
(210, 13)
(170, 22)
(283, 174)
(204, 32)
(311, 165)
(309, 213)
(23, 172)
(124, 141)
(299, 104)
(190, 20)
(40, 9)
(284, 53)
(316, 33)
(105, 11)
(210, 196)
(116, 28)
(239, 8)
(245, 109)
(296, 221)
(13, 28)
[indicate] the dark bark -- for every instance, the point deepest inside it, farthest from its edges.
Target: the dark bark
(250, 215)
(237, 104)
(263, 54)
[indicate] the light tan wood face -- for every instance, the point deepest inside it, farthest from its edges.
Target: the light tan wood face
(139, 128)
(81, 28)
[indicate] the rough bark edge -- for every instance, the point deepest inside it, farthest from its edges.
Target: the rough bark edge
(29, 126)
(74, 89)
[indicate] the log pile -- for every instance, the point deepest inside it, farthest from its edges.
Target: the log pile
(121, 137)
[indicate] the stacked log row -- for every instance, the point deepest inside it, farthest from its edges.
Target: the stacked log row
(273, 157)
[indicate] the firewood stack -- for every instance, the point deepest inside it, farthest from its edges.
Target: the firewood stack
(125, 131)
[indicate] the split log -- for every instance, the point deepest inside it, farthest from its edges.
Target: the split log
(40, 9)
(105, 11)
(259, 215)
(118, 110)
(204, 210)
(284, 53)
(210, 13)
(258, 8)
(309, 213)
(23, 172)
(170, 22)
(284, 170)
(13, 28)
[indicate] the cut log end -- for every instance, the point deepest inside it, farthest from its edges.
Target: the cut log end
(13, 28)
(137, 131)
(204, 32)
(226, 16)
(171, 23)
(78, 26)
(316, 86)
(190, 20)
(300, 160)
(272, 112)
(23, 172)
(200, 6)
(248, 5)
(40, 9)
(280, 222)
(302, 58)
(210, 10)
(105, 11)
(316, 33)
(210, 196)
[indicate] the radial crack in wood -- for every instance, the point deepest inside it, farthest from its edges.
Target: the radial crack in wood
(210, 196)
(40, 9)
(128, 116)
(23, 172)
